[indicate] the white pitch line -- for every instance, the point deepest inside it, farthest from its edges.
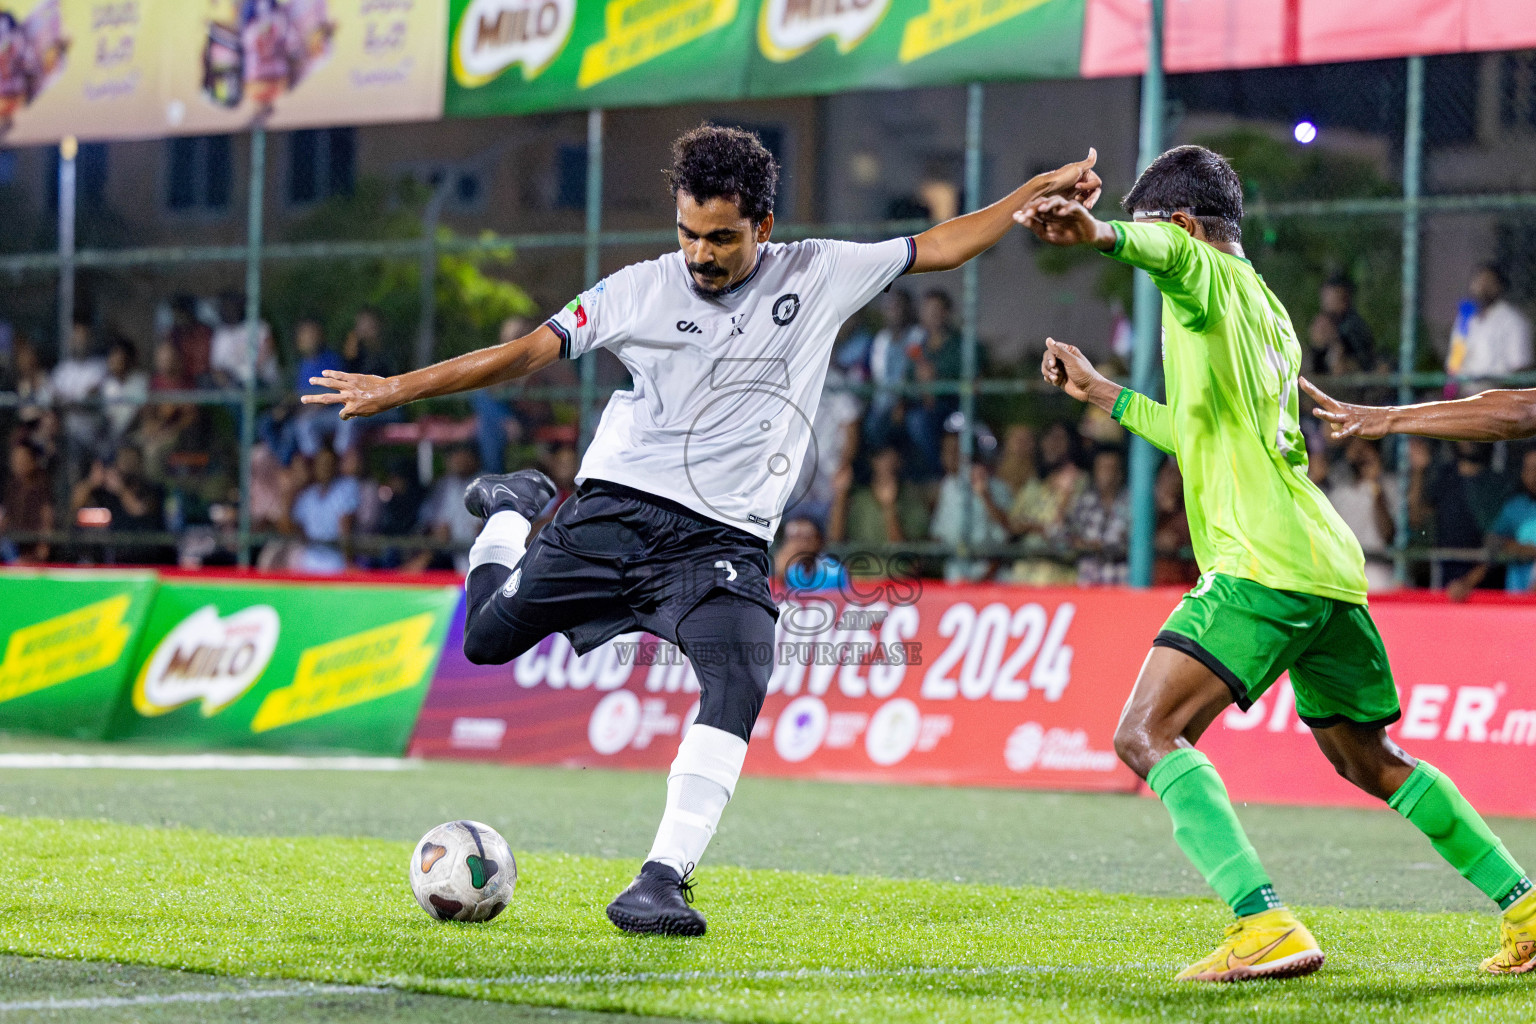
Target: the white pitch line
(796, 974)
(208, 762)
(108, 1002)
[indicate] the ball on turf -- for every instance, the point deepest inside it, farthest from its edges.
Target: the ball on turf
(463, 871)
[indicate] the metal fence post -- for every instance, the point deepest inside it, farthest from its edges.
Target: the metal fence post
(593, 266)
(1148, 321)
(68, 150)
(253, 237)
(426, 327)
(970, 308)
(1407, 353)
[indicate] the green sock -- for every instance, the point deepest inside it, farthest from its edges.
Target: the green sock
(1207, 830)
(1458, 833)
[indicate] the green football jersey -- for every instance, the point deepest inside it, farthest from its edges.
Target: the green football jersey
(1230, 361)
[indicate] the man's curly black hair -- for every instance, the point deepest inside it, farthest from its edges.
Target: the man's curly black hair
(1192, 178)
(712, 162)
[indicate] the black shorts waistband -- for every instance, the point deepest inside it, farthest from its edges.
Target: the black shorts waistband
(594, 485)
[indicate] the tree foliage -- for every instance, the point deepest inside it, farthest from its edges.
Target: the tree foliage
(471, 299)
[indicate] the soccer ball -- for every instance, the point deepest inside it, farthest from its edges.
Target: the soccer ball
(463, 871)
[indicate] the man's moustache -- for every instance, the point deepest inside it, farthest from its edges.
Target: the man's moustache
(707, 269)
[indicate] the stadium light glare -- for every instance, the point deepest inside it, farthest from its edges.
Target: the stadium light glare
(1306, 132)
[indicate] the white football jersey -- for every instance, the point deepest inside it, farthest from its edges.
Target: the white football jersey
(725, 388)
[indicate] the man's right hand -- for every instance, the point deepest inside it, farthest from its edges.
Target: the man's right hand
(1345, 419)
(358, 394)
(1065, 367)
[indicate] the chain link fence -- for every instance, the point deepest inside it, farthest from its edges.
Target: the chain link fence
(1377, 194)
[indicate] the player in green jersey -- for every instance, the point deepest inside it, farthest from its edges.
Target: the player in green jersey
(1283, 579)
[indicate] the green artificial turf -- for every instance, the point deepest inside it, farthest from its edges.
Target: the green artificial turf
(782, 946)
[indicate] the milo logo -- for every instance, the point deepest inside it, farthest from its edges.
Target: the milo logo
(493, 35)
(789, 28)
(207, 658)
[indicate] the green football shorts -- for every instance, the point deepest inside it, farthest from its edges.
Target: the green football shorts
(1248, 634)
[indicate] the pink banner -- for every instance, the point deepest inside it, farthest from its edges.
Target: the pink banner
(1208, 35)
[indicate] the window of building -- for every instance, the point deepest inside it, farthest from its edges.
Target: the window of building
(199, 172)
(322, 162)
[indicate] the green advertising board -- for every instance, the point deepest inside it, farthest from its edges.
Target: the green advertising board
(825, 46)
(69, 646)
(518, 56)
(285, 665)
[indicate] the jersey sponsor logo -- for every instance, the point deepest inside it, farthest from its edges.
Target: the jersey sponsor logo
(580, 311)
(738, 325)
(789, 28)
(784, 309)
(759, 520)
(493, 35)
(689, 327)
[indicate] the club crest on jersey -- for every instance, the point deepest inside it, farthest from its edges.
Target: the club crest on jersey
(784, 308)
(510, 587)
(577, 308)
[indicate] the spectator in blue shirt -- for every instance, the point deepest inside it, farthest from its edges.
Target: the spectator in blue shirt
(324, 513)
(800, 561)
(1514, 532)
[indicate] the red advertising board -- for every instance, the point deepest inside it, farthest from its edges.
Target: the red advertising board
(1466, 675)
(976, 686)
(996, 686)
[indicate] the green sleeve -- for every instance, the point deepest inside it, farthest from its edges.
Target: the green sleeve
(1145, 418)
(1188, 273)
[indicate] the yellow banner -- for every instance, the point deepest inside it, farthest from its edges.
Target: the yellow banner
(352, 670)
(65, 647)
(947, 22)
(302, 63)
(78, 67)
(641, 30)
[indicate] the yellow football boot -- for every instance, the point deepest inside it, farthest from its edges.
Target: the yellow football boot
(1517, 939)
(1272, 944)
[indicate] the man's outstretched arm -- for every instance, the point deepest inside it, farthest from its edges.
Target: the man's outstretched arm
(361, 394)
(1490, 416)
(946, 246)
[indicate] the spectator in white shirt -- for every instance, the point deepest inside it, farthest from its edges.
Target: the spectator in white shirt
(126, 387)
(1366, 498)
(227, 355)
(1491, 336)
(78, 378)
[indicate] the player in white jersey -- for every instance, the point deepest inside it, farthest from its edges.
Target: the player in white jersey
(690, 472)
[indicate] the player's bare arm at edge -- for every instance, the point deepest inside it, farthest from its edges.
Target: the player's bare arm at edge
(1504, 415)
(948, 245)
(361, 394)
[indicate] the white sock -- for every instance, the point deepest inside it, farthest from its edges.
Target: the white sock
(699, 785)
(502, 540)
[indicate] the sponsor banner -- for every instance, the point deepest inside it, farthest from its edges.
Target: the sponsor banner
(284, 666)
(1466, 680)
(822, 46)
(969, 686)
(517, 56)
(68, 647)
(1205, 35)
(112, 69)
(84, 67)
(300, 63)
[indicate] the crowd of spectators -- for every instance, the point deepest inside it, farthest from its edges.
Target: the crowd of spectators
(108, 464)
